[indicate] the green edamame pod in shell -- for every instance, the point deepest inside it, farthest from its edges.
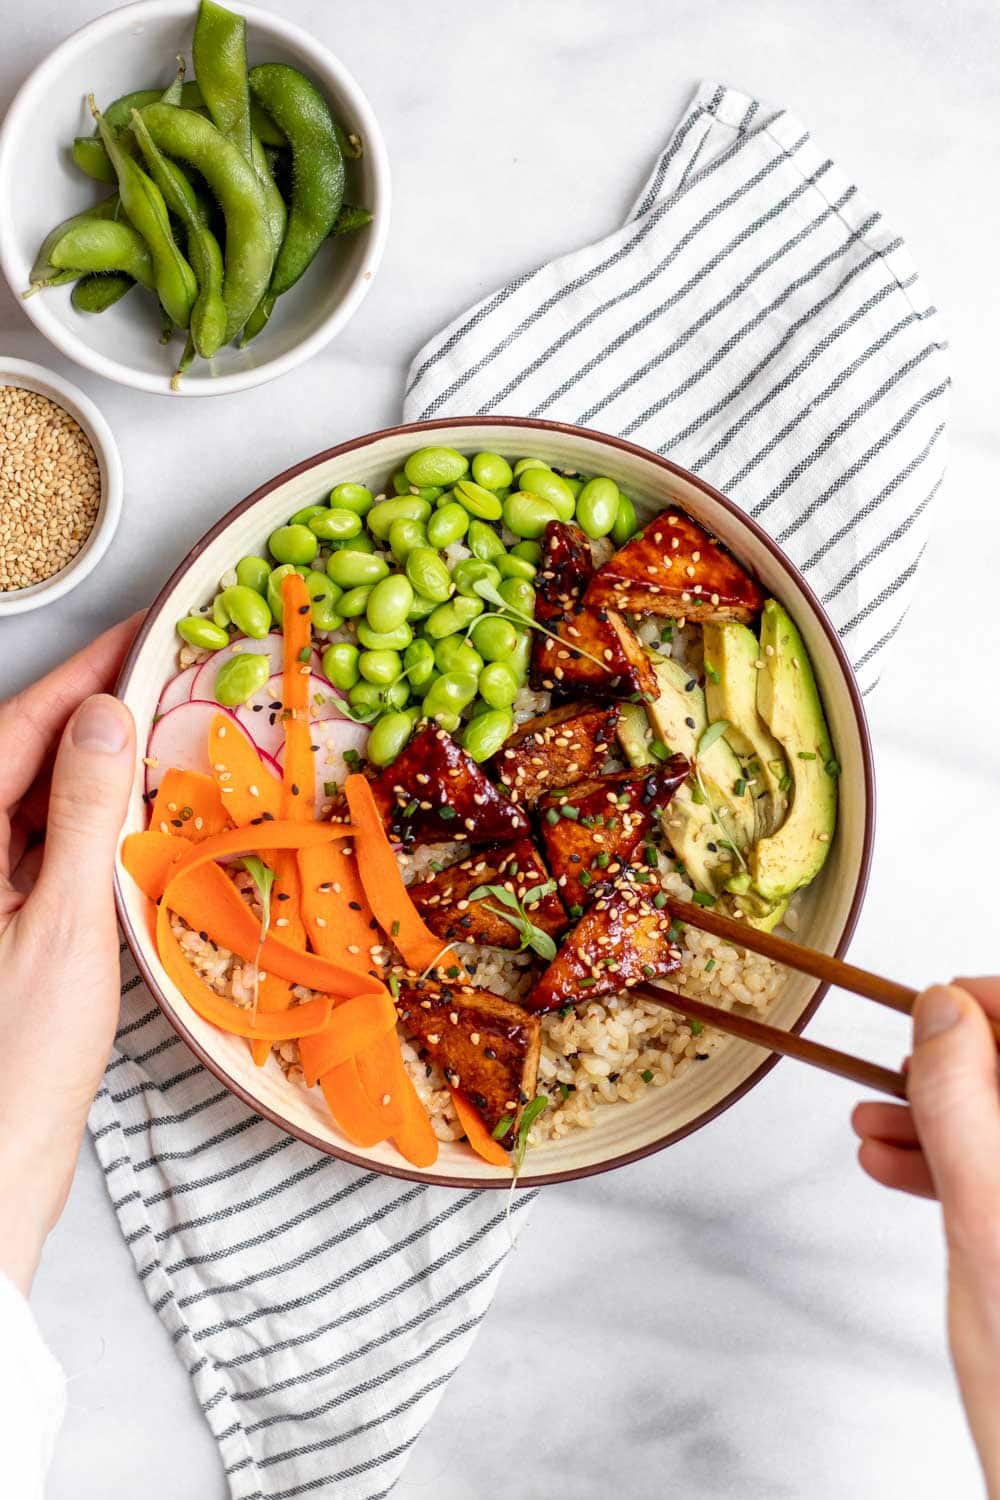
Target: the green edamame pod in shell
(99, 291)
(142, 201)
(240, 677)
(208, 315)
(104, 245)
(301, 113)
(219, 51)
(43, 271)
(250, 253)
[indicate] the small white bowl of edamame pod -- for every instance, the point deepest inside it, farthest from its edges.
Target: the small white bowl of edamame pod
(135, 48)
(60, 486)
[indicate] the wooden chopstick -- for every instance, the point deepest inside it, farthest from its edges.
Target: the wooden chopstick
(822, 966)
(786, 1043)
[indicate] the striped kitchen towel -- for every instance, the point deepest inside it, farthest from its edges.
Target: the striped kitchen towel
(757, 322)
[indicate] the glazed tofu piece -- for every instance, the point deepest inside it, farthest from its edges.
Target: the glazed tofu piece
(556, 749)
(615, 664)
(443, 901)
(675, 568)
(592, 831)
(624, 939)
(434, 791)
(486, 1046)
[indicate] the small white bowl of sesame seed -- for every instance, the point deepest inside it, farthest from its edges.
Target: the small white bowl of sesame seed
(60, 486)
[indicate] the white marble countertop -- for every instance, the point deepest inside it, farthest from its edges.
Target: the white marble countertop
(745, 1315)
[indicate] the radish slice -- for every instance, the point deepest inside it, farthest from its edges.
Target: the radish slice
(272, 645)
(261, 715)
(180, 740)
(331, 738)
(177, 690)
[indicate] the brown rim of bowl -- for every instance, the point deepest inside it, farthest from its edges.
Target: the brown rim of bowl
(610, 441)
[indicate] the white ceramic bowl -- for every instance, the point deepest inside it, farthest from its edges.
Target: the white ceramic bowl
(624, 1132)
(133, 48)
(36, 378)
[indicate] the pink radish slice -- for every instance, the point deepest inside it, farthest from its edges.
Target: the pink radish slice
(180, 740)
(331, 738)
(177, 690)
(272, 645)
(261, 715)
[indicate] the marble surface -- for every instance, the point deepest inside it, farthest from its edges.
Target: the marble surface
(745, 1315)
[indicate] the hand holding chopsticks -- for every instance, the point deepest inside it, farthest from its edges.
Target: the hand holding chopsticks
(820, 966)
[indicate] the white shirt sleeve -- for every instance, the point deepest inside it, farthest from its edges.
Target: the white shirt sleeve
(32, 1398)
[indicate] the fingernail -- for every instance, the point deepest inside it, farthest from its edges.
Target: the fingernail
(936, 1011)
(100, 724)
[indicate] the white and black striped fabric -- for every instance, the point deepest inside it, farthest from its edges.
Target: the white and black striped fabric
(755, 320)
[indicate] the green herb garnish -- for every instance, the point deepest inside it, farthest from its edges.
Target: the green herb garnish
(696, 1028)
(647, 1075)
(488, 591)
(502, 1126)
(702, 898)
(330, 788)
(807, 755)
(529, 1115)
(710, 735)
(305, 654)
(710, 965)
(531, 936)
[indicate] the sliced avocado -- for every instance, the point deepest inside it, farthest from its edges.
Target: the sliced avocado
(789, 703)
(732, 652)
(754, 910)
(680, 717)
(634, 735)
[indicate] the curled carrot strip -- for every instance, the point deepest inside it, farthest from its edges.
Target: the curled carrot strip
(299, 1021)
(188, 804)
(246, 787)
(380, 875)
(354, 1024)
(151, 857)
(334, 906)
(349, 1105)
(478, 1136)
(210, 903)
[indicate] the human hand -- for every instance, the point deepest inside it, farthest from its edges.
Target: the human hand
(59, 992)
(946, 1145)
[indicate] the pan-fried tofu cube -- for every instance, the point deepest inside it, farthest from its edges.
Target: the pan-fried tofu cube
(485, 1045)
(556, 749)
(675, 568)
(624, 939)
(592, 831)
(443, 900)
(434, 791)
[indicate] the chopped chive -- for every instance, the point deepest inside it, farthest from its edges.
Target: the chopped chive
(411, 807)
(394, 986)
(603, 860)
(352, 758)
(586, 878)
(660, 900)
(660, 750)
(647, 1075)
(395, 929)
(305, 654)
(784, 783)
(502, 1127)
(436, 866)
(575, 910)
(807, 755)
(832, 768)
(702, 898)
(330, 789)
(648, 970)
(586, 983)
(710, 966)
(697, 795)
(448, 813)
(565, 1090)
(696, 1028)
(566, 1010)
(567, 810)
(674, 934)
(667, 633)
(552, 816)
(453, 971)
(777, 766)
(652, 858)
(740, 786)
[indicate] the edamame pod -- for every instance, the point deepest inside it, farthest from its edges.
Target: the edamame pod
(253, 573)
(43, 272)
(176, 284)
(301, 113)
(97, 292)
(205, 634)
(104, 245)
(388, 737)
(597, 507)
(208, 315)
(484, 734)
(240, 677)
(249, 254)
(247, 610)
(219, 50)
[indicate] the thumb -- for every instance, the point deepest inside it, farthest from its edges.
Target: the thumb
(952, 1088)
(90, 784)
